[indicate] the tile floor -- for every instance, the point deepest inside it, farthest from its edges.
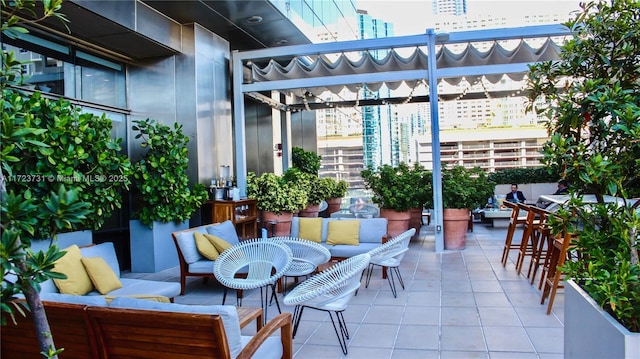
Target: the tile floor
(457, 304)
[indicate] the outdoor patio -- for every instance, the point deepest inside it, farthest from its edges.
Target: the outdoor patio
(457, 304)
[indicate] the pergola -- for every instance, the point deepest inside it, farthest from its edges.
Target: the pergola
(308, 68)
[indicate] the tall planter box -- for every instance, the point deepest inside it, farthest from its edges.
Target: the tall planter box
(590, 332)
(152, 249)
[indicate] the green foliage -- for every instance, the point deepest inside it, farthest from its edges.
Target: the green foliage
(335, 188)
(23, 214)
(161, 178)
(607, 273)
(22, 269)
(316, 189)
(524, 175)
(465, 187)
(398, 188)
(49, 142)
(275, 194)
(306, 161)
(592, 97)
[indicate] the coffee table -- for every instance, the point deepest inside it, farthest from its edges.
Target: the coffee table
(499, 217)
(247, 314)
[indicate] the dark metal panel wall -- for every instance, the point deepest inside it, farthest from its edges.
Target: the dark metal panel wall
(303, 130)
(259, 138)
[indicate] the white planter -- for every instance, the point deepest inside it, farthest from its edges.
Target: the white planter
(153, 250)
(590, 332)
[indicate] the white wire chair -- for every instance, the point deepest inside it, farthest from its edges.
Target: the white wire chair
(253, 264)
(389, 255)
(307, 256)
(329, 291)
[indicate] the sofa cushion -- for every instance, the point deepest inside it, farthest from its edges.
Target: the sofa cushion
(347, 251)
(220, 244)
(205, 247)
(310, 229)
(343, 232)
(132, 286)
(271, 348)
(201, 266)
(228, 313)
(225, 230)
(187, 244)
(48, 286)
(372, 230)
(78, 281)
(74, 299)
(107, 252)
(102, 276)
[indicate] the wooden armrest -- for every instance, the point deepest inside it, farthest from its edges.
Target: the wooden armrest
(282, 322)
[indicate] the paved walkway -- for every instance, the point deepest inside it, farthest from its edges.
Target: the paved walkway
(457, 304)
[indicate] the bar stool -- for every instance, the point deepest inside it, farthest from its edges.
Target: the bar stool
(541, 241)
(527, 247)
(554, 277)
(514, 221)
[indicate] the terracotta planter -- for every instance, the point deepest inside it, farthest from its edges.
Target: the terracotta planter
(277, 225)
(397, 222)
(416, 219)
(456, 224)
(311, 210)
(334, 205)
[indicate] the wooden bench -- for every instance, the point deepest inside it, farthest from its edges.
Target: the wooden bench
(105, 332)
(70, 328)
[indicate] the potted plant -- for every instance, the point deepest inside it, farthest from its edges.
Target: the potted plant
(311, 184)
(305, 173)
(336, 190)
(277, 200)
(394, 191)
(463, 189)
(594, 127)
(164, 201)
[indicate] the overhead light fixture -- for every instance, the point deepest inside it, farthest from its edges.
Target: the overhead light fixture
(282, 42)
(255, 19)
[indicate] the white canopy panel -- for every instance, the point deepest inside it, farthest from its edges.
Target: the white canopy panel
(368, 63)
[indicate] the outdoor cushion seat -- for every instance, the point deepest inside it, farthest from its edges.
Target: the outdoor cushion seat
(370, 234)
(192, 263)
(130, 286)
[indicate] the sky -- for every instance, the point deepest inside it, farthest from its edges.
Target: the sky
(412, 17)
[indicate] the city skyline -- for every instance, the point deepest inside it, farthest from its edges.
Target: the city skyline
(411, 17)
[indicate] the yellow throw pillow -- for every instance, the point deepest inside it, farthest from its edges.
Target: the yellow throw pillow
(102, 276)
(343, 232)
(220, 244)
(78, 281)
(310, 229)
(205, 247)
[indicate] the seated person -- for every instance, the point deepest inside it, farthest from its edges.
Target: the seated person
(515, 196)
(563, 187)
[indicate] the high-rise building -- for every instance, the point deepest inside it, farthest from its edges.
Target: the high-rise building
(449, 7)
(377, 125)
